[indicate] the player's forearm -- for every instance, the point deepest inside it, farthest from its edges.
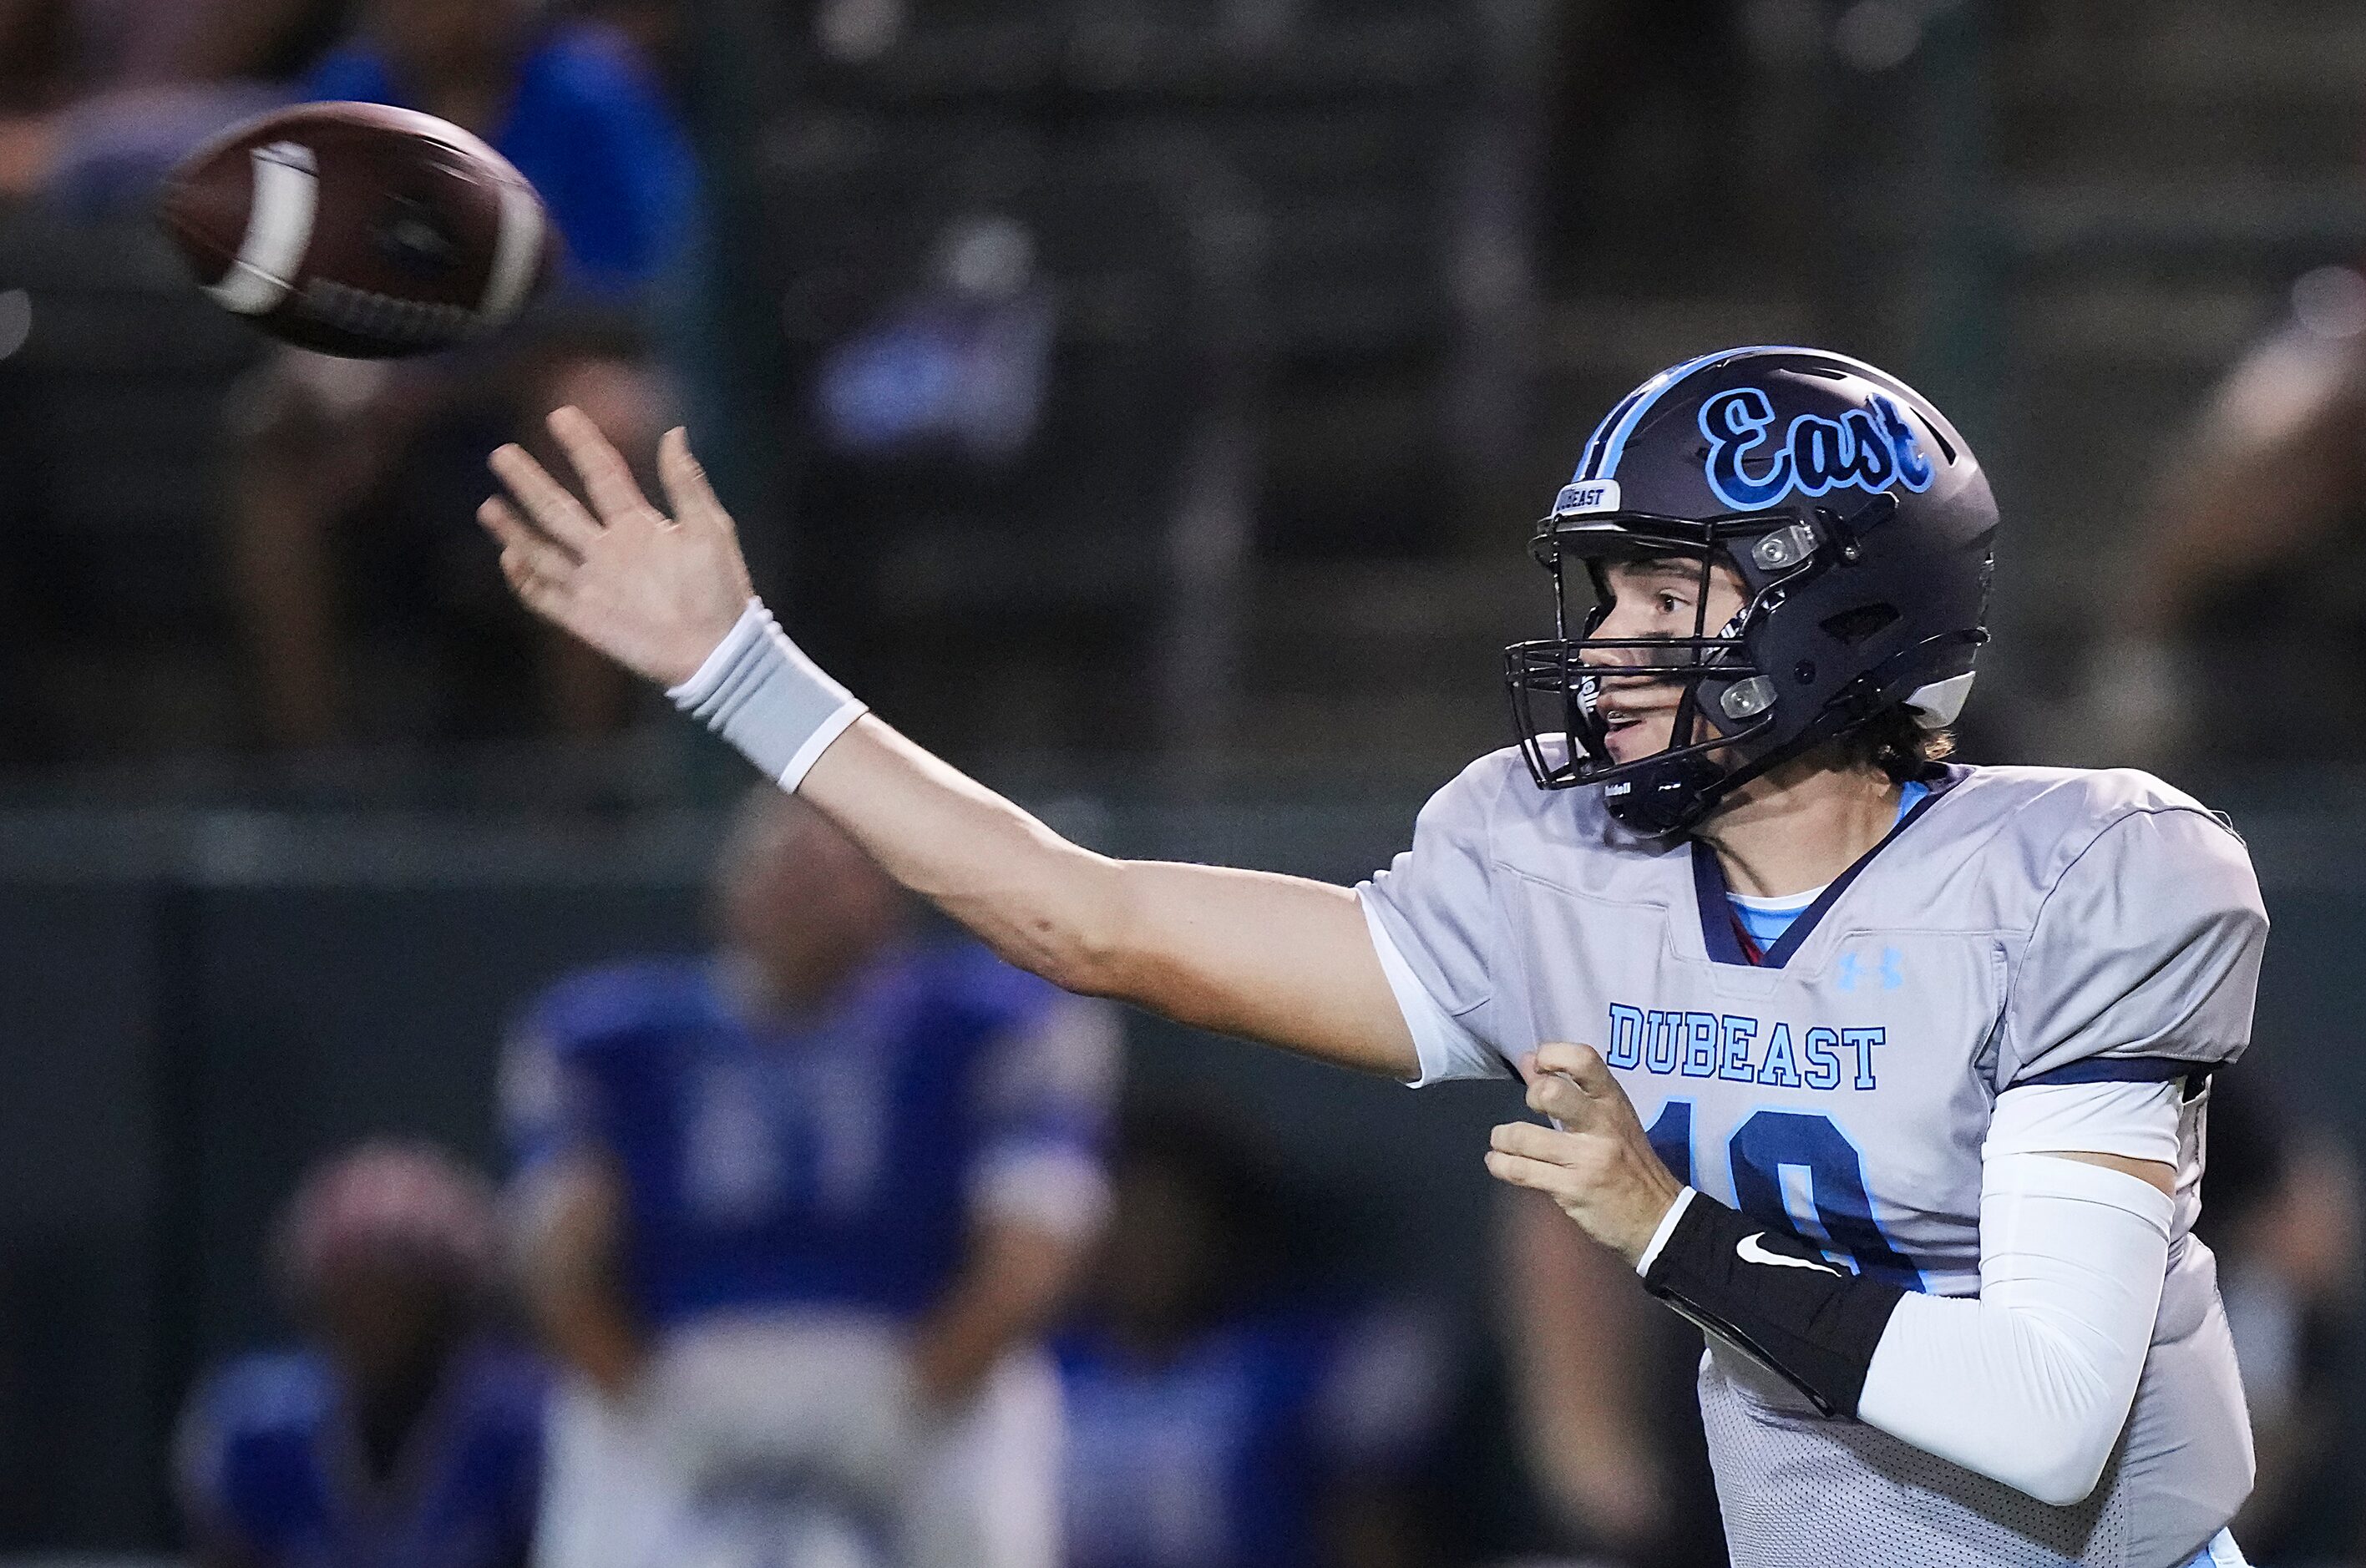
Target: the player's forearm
(2267, 476)
(592, 1335)
(568, 1221)
(2028, 1383)
(1017, 1280)
(1275, 958)
(2031, 1383)
(1046, 904)
(578, 1316)
(1576, 1321)
(1041, 902)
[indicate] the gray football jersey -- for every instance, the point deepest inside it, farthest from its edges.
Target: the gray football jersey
(2022, 926)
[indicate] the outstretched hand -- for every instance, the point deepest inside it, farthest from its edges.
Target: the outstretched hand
(1597, 1165)
(656, 594)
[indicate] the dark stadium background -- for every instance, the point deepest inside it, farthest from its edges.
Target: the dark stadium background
(1341, 287)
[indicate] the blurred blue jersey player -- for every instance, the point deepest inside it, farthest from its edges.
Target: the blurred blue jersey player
(400, 1436)
(795, 1215)
(569, 103)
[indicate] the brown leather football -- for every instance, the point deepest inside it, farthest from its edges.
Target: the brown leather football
(359, 229)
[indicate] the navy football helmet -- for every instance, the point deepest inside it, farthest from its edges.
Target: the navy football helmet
(1859, 526)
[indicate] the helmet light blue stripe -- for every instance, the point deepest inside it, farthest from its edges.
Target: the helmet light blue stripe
(1592, 457)
(1608, 442)
(1639, 403)
(1661, 384)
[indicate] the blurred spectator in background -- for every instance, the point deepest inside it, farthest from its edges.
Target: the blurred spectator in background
(356, 482)
(1215, 1423)
(54, 53)
(959, 366)
(1602, 1394)
(795, 1217)
(658, 28)
(99, 97)
(402, 1435)
(2282, 1218)
(2240, 577)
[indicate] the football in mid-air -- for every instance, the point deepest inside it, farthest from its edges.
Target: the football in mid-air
(359, 229)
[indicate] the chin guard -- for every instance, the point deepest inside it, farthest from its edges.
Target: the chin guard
(1665, 794)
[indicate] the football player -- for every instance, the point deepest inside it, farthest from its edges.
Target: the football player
(403, 1433)
(1921, 1050)
(795, 1217)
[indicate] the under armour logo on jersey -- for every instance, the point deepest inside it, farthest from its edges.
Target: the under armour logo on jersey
(1871, 448)
(1749, 1251)
(1890, 975)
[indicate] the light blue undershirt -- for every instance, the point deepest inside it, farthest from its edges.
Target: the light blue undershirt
(1767, 918)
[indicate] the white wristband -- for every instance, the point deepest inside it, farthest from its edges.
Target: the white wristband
(1667, 1228)
(760, 692)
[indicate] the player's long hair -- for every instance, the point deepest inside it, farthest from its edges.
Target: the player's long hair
(1897, 743)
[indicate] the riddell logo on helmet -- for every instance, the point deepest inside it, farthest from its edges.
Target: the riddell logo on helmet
(1871, 448)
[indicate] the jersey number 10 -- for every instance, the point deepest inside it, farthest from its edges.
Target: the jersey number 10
(1803, 1140)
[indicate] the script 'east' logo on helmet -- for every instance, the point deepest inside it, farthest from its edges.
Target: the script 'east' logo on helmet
(1871, 448)
(1860, 527)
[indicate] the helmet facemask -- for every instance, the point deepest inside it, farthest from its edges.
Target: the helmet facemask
(1724, 713)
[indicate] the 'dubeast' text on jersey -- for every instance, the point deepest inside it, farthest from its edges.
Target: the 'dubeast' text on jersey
(2020, 925)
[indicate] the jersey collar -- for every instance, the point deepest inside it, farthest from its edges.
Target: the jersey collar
(1723, 937)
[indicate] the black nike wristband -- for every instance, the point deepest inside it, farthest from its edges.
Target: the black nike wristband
(1765, 1290)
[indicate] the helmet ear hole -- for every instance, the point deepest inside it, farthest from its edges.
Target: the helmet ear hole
(1852, 626)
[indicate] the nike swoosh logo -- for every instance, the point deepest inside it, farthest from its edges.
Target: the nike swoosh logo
(1749, 1251)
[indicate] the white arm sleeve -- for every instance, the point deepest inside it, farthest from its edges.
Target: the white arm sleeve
(1446, 1045)
(1436, 928)
(2136, 1121)
(2030, 1381)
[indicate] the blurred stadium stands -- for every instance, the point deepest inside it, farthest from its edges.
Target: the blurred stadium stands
(1308, 383)
(111, 443)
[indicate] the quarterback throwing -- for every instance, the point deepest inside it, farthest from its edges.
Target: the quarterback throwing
(1889, 1074)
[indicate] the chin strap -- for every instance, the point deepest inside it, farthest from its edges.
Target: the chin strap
(1673, 795)
(1668, 798)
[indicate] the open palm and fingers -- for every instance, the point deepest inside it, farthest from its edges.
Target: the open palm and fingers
(1596, 1164)
(655, 593)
